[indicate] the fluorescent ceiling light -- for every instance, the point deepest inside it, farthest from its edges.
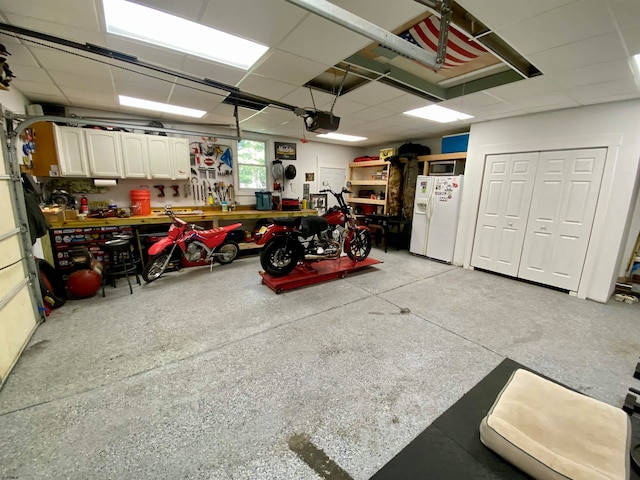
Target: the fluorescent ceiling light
(160, 107)
(340, 136)
(635, 65)
(162, 29)
(438, 114)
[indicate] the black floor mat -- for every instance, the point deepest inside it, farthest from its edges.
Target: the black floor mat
(450, 447)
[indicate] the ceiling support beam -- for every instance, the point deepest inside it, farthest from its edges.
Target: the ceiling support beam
(359, 25)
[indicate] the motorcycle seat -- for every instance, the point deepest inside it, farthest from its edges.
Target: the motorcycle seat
(286, 221)
(210, 232)
(312, 225)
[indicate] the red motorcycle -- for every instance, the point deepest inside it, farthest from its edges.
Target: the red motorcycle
(196, 247)
(310, 239)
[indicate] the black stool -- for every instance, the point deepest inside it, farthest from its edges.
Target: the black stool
(121, 262)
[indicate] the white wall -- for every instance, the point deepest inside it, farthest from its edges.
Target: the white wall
(615, 126)
(13, 100)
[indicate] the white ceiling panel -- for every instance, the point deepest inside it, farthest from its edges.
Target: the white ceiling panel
(580, 54)
(20, 54)
(589, 75)
(523, 88)
(500, 13)
(265, 87)
(103, 99)
(547, 100)
(189, 9)
(146, 53)
(305, 98)
(372, 113)
(31, 74)
(478, 99)
(323, 41)
(159, 94)
(53, 99)
(28, 87)
(566, 24)
(65, 12)
(631, 38)
(226, 111)
(343, 107)
(85, 31)
(87, 82)
(290, 68)
(62, 60)
(373, 93)
(626, 12)
(124, 79)
(403, 103)
(379, 13)
(491, 110)
(269, 21)
(213, 71)
(608, 90)
(199, 93)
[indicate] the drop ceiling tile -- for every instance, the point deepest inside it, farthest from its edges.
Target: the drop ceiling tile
(213, 71)
(266, 21)
(62, 60)
(85, 31)
(83, 82)
(631, 38)
(547, 108)
(66, 12)
(595, 50)
(226, 111)
(191, 102)
(265, 87)
(626, 13)
(31, 74)
(199, 93)
(147, 53)
(44, 98)
(189, 9)
(546, 100)
(379, 13)
(591, 74)
(290, 68)
(160, 94)
(523, 88)
(343, 107)
(125, 81)
(373, 93)
(493, 109)
(372, 113)
(20, 55)
(305, 98)
(497, 14)
(615, 98)
(478, 99)
(403, 103)
(320, 40)
(604, 92)
(28, 87)
(564, 25)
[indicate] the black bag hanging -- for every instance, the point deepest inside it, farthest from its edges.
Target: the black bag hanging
(414, 148)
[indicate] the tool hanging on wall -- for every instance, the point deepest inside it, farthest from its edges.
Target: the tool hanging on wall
(161, 188)
(176, 190)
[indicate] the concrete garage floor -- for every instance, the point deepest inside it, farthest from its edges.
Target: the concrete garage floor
(212, 375)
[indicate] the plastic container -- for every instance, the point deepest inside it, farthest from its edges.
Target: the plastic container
(140, 202)
(263, 200)
(455, 143)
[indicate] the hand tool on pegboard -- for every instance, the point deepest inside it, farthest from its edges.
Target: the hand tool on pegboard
(176, 190)
(161, 188)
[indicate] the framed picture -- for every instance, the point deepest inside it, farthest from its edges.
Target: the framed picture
(285, 151)
(319, 201)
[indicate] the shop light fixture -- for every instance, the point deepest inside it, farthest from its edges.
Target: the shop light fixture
(160, 107)
(162, 29)
(437, 113)
(340, 136)
(635, 66)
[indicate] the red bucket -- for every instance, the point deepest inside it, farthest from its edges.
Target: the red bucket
(140, 202)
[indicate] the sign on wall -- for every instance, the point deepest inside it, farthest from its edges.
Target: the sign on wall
(285, 151)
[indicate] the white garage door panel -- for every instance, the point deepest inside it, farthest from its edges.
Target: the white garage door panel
(565, 197)
(8, 222)
(16, 324)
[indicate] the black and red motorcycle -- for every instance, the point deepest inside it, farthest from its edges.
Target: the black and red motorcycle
(289, 241)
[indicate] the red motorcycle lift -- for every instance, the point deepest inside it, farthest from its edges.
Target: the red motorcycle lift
(318, 272)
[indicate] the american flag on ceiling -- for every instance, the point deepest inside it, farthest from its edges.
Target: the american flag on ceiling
(460, 49)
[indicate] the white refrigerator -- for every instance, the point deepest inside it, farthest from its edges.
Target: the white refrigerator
(435, 216)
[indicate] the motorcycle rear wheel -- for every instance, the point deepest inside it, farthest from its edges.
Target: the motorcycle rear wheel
(155, 267)
(279, 257)
(358, 245)
(228, 250)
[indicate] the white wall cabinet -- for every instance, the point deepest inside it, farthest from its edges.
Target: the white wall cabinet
(181, 161)
(104, 151)
(72, 151)
(168, 157)
(536, 214)
(135, 155)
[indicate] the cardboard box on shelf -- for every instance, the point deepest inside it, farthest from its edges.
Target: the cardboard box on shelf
(387, 152)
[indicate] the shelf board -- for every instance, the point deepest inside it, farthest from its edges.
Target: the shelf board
(443, 156)
(365, 200)
(369, 182)
(372, 163)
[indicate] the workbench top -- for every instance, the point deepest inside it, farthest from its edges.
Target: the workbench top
(214, 216)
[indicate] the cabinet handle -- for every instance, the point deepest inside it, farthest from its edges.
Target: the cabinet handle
(510, 224)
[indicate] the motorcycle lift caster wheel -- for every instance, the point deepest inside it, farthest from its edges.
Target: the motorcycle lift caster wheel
(278, 291)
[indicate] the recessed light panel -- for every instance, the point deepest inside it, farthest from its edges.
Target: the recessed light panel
(162, 29)
(340, 136)
(160, 107)
(437, 113)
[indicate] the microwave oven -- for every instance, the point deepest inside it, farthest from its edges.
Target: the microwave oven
(446, 167)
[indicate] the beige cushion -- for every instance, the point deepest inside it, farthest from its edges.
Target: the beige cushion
(551, 432)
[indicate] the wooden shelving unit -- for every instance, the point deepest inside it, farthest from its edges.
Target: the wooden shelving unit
(439, 157)
(362, 176)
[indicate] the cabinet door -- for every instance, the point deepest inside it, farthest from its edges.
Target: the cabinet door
(181, 159)
(135, 155)
(105, 153)
(504, 209)
(160, 163)
(562, 210)
(72, 152)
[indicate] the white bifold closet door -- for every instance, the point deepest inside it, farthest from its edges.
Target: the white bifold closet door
(504, 207)
(536, 213)
(561, 216)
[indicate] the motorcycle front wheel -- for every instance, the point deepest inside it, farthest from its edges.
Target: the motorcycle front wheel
(279, 257)
(358, 244)
(155, 267)
(228, 252)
